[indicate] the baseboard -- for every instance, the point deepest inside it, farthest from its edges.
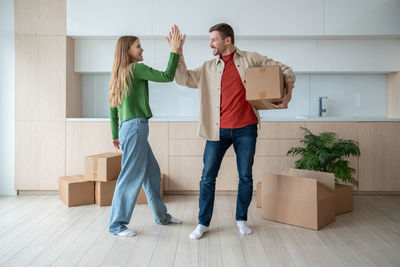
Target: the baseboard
(376, 192)
(37, 192)
(197, 192)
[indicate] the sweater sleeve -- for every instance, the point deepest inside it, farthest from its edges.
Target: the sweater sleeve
(144, 72)
(114, 122)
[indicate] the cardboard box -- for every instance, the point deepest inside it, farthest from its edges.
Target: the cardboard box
(297, 200)
(343, 193)
(343, 198)
(142, 199)
(264, 85)
(325, 178)
(104, 192)
(258, 195)
(103, 167)
(76, 191)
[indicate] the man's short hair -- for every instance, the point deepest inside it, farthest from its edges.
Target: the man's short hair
(225, 30)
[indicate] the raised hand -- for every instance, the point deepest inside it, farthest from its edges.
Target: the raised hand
(176, 40)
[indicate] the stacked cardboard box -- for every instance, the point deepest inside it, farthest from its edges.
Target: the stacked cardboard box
(264, 86)
(76, 191)
(103, 169)
(98, 184)
(303, 198)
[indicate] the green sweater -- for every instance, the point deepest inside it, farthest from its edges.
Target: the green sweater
(136, 103)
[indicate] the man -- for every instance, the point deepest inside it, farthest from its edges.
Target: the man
(226, 118)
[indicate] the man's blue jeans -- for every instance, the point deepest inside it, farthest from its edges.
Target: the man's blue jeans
(139, 167)
(244, 143)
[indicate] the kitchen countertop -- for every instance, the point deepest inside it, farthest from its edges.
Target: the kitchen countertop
(266, 119)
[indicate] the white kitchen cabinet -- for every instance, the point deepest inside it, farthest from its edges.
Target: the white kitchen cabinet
(362, 55)
(280, 18)
(109, 18)
(193, 17)
(362, 17)
(250, 18)
(97, 55)
(303, 55)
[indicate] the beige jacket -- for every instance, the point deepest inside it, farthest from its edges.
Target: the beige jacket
(208, 79)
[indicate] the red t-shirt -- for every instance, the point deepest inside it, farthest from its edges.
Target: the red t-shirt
(236, 112)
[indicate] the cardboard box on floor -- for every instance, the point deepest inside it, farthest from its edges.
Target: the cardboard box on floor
(343, 198)
(142, 199)
(325, 178)
(343, 193)
(104, 192)
(264, 85)
(103, 167)
(76, 191)
(297, 200)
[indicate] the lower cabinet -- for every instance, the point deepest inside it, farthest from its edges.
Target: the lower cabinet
(179, 152)
(186, 155)
(379, 164)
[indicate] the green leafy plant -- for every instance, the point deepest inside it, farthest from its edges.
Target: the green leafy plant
(327, 153)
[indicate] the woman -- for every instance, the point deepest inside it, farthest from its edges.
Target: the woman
(129, 100)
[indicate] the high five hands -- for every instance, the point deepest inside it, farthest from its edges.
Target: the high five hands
(176, 40)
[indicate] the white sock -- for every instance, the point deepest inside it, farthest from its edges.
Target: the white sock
(175, 220)
(127, 233)
(243, 228)
(198, 232)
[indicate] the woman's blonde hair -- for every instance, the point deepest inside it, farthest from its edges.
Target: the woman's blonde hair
(121, 71)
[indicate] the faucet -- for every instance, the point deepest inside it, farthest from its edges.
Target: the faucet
(321, 109)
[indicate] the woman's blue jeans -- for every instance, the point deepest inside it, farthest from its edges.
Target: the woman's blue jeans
(138, 167)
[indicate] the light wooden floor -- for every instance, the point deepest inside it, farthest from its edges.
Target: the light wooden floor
(41, 231)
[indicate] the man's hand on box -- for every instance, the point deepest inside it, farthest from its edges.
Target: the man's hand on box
(286, 99)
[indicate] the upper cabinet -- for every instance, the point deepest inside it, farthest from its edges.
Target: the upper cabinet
(280, 18)
(193, 17)
(249, 18)
(303, 55)
(109, 18)
(362, 17)
(312, 36)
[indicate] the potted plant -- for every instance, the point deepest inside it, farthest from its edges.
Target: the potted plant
(328, 153)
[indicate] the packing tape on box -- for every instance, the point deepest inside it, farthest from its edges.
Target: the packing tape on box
(262, 69)
(263, 95)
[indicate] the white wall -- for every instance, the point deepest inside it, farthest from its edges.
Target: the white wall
(349, 95)
(7, 97)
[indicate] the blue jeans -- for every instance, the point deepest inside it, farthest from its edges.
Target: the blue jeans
(138, 167)
(244, 142)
